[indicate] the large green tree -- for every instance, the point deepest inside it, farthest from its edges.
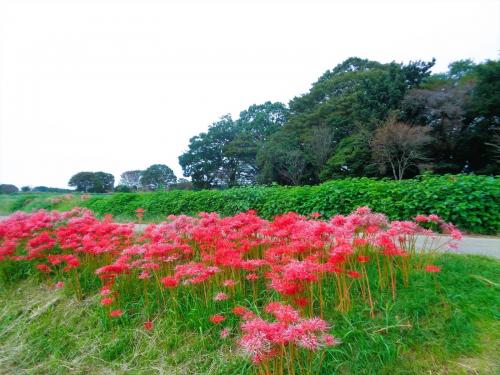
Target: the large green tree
(157, 176)
(92, 182)
(226, 155)
(356, 96)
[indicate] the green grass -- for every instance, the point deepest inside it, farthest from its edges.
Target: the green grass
(447, 324)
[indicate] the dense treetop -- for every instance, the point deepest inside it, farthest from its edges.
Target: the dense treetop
(331, 131)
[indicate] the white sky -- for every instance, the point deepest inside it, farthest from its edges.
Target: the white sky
(119, 85)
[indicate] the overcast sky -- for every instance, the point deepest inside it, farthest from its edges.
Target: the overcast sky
(120, 85)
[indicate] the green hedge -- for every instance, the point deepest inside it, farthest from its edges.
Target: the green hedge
(471, 202)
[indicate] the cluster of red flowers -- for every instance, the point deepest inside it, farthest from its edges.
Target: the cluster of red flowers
(216, 258)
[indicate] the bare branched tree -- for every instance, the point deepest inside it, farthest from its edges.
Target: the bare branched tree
(399, 146)
(495, 146)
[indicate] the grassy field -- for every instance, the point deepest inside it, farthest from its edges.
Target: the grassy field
(444, 323)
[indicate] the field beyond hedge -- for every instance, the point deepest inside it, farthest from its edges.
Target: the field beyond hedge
(470, 202)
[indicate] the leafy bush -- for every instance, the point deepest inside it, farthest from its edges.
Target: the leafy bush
(471, 202)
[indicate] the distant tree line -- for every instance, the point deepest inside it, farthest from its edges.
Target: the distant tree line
(154, 178)
(10, 189)
(362, 118)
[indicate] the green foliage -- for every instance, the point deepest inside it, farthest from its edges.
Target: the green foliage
(226, 154)
(157, 176)
(8, 189)
(92, 182)
(471, 202)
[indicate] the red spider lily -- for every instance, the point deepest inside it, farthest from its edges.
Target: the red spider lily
(115, 313)
(194, 257)
(148, 325)
(354, 274)
(432, 269)
(59, 284)
(363, 259)
(221, 297)
(169, 282)
(217, 318)
(224, 333)
(43, 268)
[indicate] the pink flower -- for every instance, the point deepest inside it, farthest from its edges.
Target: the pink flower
(229, 283)
(252, 277)
(421, 219)
(59, 284)
(221, 297)
(224, 333)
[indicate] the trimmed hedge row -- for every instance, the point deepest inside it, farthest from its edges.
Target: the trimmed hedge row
(471, 202)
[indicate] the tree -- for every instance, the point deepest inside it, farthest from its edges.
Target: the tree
(103, 182)
(399, 145)
(158, 176)
(351, 158)
(442, 109)
(83, 181)
(131, 179)
(357, 95)
(92, 182)
(226, 155)
(8, 189)
(25, 189)
(122, 189)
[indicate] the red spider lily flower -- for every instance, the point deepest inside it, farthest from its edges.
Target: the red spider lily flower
(217, 318)
(421, 219)
(229, 283)
(435, 218)
(301, 301)
(252, 277)
(59, 285)
(433, 269)
(354, 274)
(105, 291)
(221, 297)
(139, 210)
(43, 268)
(107, 301)
(360, 242)
(363, 259)
(148, 325)
(116, 313)
(169, 282)
(315, 215)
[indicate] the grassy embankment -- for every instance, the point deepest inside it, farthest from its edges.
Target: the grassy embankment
(445, 323)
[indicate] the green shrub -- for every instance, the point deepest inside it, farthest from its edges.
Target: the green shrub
(471, 202)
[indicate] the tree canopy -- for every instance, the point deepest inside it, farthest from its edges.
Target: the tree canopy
(92, 182)
(328, 132)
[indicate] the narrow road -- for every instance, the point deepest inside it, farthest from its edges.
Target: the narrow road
(473, 245)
